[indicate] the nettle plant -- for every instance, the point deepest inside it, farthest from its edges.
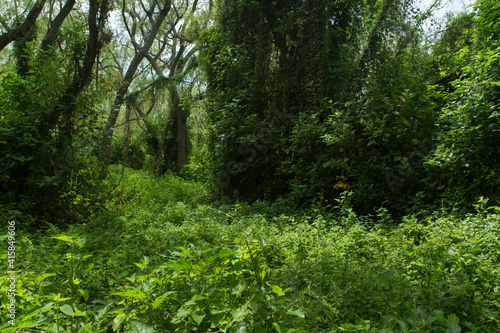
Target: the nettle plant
(227, 289)
(50, 295)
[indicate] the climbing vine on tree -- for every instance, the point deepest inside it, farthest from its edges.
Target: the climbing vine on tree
(311, 98)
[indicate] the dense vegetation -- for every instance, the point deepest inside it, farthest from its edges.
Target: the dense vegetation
(310, 98)
(249, 166)
(165, 261)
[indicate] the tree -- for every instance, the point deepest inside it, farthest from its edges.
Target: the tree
(140, 53)
(39, 128)
(311, 98)
(166, 82)
(465, 164)
(21, 30)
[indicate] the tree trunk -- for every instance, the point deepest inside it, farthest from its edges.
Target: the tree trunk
(181, 113)
(129, 76)
(67, 103)
(23, 30)
(51, 35)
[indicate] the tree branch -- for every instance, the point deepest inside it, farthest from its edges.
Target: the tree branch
(55, 25)
(21, 31)
(129, 76)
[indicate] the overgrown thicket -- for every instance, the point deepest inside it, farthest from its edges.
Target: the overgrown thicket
(309, 98)
(282, 166)
(48, 117)
(466, 163)
(163, 260)
(82, 87)
(304, 100)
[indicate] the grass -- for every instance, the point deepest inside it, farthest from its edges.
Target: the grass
(161, 258)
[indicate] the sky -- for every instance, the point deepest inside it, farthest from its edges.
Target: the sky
(449, 6)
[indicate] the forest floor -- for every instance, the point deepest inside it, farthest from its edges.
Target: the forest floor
(162, 258)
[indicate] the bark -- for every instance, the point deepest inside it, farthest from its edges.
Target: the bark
(24, 29)
(375, 37)
(50, 37)
(66, 106)
(129, 76)
(181, 114)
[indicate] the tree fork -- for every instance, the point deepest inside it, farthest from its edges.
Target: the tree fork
(129, 76)
(24, 29)
(67, 103)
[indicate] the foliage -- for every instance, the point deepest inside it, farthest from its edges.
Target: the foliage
(309, 99)
(129, 154)
(19, 141)
(341, 133)
(466, 162)
(160, 143)
(37, 176)
(48, 118)
(377, 144)
(154, 264)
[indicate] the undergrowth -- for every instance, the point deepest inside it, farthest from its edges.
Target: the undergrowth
(160, 258)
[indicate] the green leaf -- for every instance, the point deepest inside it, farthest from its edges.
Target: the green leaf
(141, 265)
(24, 324)
(8, 330)
(453, 318)
(218, 320)
(183, 312)
(198, 317)
(226, 253)
(263, 242)
(64, 238)
(238, 289)
(180, 265)
(139, 327)
(55, 328)
(81, 241)
(157, 302)
(453, 327)
(46, 307)
(29, 315)
(79, 313)
(132, 293)
(239, 313)
(67, 310)
(211, 258)
(194, 299)
(85, 294)
(86, 329)
(118, 321)
(45, 275)
(299, 312)
(402, 324)
(277, 290)
(254, 306)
